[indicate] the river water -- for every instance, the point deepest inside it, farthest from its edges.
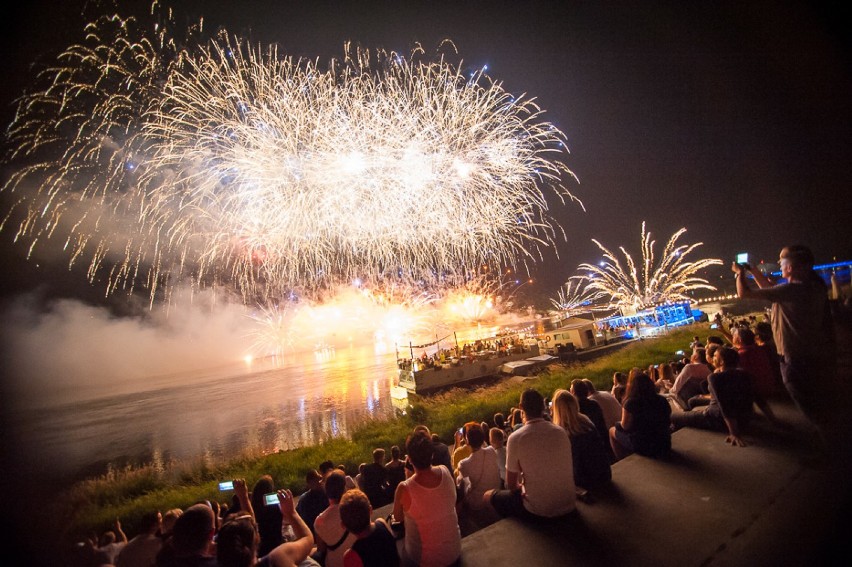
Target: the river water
(259, 407)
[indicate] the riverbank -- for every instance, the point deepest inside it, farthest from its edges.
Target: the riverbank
(93, 505)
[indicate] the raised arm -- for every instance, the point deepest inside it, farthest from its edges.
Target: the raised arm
(292, 552)
(120, 536)
(743, 289)
(241, 491)
(740, 273)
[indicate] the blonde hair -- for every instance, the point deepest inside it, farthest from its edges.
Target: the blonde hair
(566, 413)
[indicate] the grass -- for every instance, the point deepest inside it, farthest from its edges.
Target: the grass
(93, 505)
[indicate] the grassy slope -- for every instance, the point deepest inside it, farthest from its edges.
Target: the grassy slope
(94, 504)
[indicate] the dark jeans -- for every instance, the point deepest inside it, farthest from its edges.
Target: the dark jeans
(810, 382)
(699, 418)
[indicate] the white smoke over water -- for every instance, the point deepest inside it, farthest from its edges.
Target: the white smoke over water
(72, 351)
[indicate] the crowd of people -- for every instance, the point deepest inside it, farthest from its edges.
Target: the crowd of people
(534, 465)
(467, 352)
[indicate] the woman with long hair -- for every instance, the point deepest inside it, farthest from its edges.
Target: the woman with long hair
(645, 426)
(425, 503)
(591, 462)
(666, 377)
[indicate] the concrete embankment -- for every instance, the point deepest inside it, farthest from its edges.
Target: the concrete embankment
(770, 503)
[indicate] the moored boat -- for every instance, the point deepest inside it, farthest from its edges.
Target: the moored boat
(418, 379)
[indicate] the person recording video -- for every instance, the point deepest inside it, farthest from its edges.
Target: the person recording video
(803, 331)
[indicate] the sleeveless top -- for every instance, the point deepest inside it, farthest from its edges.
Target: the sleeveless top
(432, 537)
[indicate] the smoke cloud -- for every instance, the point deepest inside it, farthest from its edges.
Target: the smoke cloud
(70, 351)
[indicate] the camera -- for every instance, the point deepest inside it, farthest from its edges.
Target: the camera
(271, 499)
(226, 485)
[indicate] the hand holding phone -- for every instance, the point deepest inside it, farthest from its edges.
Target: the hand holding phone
(270, 499)
(285, 501)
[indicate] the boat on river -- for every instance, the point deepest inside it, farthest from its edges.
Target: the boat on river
(418, 378)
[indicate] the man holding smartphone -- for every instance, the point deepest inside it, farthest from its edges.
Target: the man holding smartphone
(803, 330)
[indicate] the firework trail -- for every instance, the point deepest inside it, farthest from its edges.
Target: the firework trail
(156, 160)
(574, 297)
(670, 280)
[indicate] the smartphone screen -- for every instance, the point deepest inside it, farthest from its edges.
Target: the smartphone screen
(271, 499)
(742, 258)
(226, 485)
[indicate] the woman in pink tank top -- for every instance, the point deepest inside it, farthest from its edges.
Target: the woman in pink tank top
(426, 503)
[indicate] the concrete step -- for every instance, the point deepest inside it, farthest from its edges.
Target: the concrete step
(709, 504)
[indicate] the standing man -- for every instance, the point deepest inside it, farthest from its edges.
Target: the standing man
(803, 332)
(539, 467)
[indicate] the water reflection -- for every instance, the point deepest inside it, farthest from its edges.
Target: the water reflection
(261, 407)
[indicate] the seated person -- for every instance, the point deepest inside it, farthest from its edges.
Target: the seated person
(268, 518)
(590, 408)
(237, 540)
(461, 450)
(375, 543)
(143, 549)
(497, 440)
(396, 471)
(191, 543)
(591, 460)
(644, 427)
(610, 406)
(332, 538)
(619, 386)
(113, 542)
(426, 504)
(477, 474)
(313, 501)
(374, 480)
(730, 407)
(758, 365)
(688, 382)
(539, 467)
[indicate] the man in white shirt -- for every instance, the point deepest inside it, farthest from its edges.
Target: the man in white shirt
(539, 467)
(332, 538)
(609, 404)
(141, 551)
(688, 382)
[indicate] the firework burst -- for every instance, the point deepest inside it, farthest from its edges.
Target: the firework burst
(227, 163)
(633, 288)
(574, 297)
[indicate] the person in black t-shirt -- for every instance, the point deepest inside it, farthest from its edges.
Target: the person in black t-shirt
(731, 400)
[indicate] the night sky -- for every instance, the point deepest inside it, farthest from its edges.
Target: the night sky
(732, 119)
(729, 119)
